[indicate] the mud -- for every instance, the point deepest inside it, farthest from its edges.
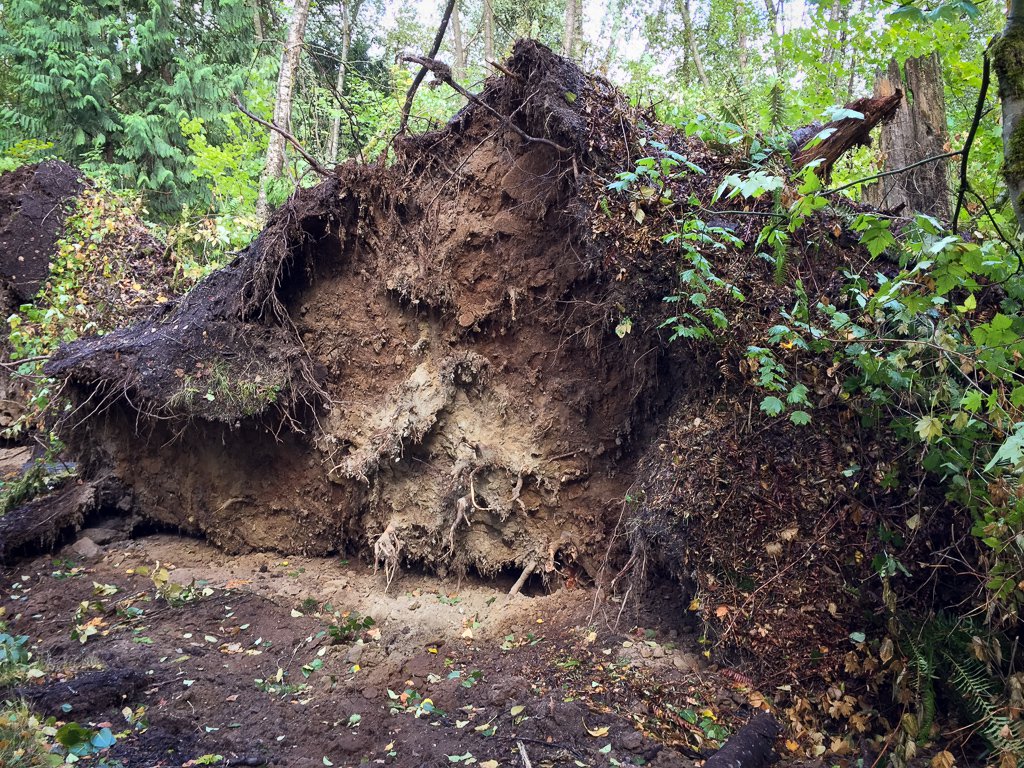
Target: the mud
(251, 671)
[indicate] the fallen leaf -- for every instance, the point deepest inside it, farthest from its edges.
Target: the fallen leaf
(517, 710)
(943, 760)
(596, 732)
(721, 611)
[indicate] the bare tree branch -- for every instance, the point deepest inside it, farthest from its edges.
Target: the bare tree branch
(291, 139)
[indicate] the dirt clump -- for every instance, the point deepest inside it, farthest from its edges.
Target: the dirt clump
(425, 349)
(34, 202)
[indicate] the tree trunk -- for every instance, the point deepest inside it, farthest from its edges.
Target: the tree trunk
(283, 103)
(691, 43)
(488, 24)
(1008, 62)
(350, 12)
(742, 39)
(776, 31)
(459, 64)
(917, 131)
(257, 22)
(569, 36)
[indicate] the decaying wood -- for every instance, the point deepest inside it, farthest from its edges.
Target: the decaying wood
(750, 746)
(845, 134)
(917, 131)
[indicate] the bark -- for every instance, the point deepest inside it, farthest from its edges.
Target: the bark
(488, 24)
(569, 35)
(917, 131)
(350, 12)
(847, 133)
(691, 42)
(283, 103)
(459, 63)
(1008, 62)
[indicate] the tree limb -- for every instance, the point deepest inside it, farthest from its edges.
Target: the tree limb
(848, 132)
(407, 107)
(313, 163)
(444, 73)
(979, 110)
(904, 169)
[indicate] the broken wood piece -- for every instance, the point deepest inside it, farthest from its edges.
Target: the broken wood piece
(846, 133)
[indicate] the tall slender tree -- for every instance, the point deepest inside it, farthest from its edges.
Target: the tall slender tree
(283, 103)
(349, 16)
(1008, 63)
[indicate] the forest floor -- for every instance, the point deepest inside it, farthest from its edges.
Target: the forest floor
(267, 660)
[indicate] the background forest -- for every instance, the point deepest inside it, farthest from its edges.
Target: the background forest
(165, 104)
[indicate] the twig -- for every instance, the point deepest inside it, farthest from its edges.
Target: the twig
(313, 163)
(504, 70)
(523, 755)
(407, 107)
(904, 169)
(979, 110)
(444, 73)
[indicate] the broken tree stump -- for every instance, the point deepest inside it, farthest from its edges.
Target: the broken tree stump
(916, 132)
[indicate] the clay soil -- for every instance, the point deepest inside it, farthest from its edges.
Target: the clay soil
(224, 673)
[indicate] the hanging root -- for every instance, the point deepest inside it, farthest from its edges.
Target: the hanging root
(530, 567)
(385, 553)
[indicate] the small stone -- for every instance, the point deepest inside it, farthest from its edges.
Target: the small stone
(659, 652)
(103, 535)
(86, 548)
(414, 605)
(355, 653)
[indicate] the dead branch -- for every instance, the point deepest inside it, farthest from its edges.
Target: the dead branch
(407, 107)
(313, 163)
(444, 73)
(904, 169)
(847, 133)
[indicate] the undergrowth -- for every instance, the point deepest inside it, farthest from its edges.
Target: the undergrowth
(926, 344)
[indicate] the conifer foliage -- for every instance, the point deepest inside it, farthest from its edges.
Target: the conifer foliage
(111, 81)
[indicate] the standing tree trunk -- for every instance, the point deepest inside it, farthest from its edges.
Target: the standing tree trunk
(1008, 62)
(257, 22)
(569, 36)
(691, 43)
(283, 103)
(350, 12)
(488, 24)
(917, 131)
(776, 31)
(459, 64)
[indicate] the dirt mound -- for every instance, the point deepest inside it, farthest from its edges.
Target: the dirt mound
(418, 360)
(34, 201)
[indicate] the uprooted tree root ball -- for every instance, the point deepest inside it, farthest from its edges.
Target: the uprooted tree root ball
(453, 361)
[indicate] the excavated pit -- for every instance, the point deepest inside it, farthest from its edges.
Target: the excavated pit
(417, 360)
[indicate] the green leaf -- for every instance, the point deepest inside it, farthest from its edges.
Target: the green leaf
(800, 418)
(772, 405)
